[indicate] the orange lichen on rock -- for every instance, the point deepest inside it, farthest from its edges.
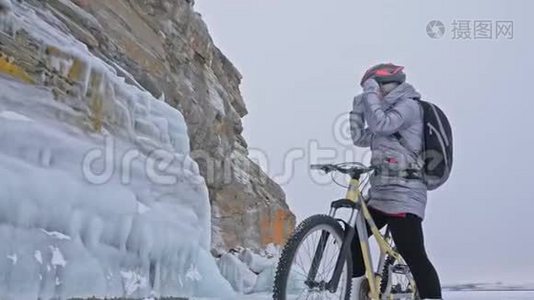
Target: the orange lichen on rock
(9, 67)
(276, 227)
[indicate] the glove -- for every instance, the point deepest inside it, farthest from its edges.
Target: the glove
(371, 86)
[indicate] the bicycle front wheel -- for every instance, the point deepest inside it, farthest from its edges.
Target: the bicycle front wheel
(301, 257)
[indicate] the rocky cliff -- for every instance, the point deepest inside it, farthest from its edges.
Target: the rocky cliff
(164, 47)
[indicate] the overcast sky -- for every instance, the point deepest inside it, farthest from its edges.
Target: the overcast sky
(301, 61)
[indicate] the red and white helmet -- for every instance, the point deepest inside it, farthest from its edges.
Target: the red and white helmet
(385, 73)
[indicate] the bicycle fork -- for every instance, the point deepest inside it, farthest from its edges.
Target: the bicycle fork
(332, 285)
(341, 260)
(317, 257)
(359, 222)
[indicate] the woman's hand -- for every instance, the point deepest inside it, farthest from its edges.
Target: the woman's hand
(371, 86)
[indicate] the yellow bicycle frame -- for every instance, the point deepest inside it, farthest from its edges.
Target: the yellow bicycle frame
(354, 194)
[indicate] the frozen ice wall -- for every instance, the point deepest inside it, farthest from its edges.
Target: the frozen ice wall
(98, 194)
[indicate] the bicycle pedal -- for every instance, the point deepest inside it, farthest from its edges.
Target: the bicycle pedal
(400, 269)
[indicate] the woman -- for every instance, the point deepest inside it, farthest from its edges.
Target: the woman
(398, 194)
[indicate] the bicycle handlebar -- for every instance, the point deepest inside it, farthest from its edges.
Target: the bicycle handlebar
(353, 169)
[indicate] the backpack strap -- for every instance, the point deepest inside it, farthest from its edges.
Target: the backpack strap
(413, 174)
(400, 138)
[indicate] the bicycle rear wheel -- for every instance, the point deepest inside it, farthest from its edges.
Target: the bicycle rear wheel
(296, 260)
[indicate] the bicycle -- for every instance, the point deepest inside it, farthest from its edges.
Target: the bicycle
(317, 276)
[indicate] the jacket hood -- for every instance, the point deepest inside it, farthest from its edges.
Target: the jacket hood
(404, 90)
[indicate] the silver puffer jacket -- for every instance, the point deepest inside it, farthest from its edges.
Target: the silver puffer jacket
(396, 112)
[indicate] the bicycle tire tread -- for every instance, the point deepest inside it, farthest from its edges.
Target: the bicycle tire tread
(286, 257)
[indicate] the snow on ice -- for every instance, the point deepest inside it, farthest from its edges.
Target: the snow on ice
(38, 256)
(237, 273)
(56, 235)
(250, 272)
(13, 258)
(11, 115)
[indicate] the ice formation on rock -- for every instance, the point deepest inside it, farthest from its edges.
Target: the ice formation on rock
(98, 194)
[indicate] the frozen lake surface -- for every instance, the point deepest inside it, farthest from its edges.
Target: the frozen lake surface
(504, 295)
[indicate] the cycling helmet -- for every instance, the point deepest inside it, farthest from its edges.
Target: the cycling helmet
(385, 73)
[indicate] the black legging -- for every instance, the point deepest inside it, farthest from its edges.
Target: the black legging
(407, 234)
